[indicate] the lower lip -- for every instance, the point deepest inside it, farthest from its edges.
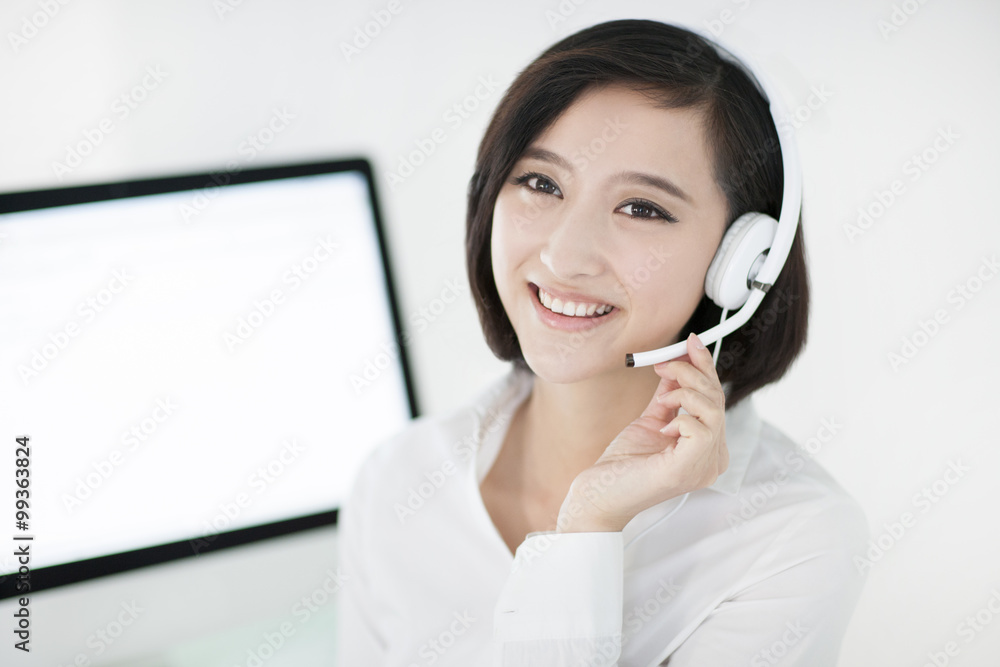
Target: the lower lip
(566, 322)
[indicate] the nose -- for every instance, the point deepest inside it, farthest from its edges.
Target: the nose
(575, 244)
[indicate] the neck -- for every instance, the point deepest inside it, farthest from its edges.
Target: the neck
(564, 428)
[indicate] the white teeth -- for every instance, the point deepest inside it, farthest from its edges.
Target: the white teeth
(571, 308)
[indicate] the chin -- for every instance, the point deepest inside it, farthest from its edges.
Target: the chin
(562, 363)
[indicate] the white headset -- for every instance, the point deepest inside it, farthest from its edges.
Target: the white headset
(755, 246)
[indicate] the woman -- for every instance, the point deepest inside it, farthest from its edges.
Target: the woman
(579, 511)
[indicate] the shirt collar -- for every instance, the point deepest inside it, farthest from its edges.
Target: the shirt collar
(743, 426)
(496, 404)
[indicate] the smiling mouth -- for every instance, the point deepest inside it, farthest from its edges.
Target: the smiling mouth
(571, 309)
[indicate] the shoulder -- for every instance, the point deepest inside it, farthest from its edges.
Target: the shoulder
(444, 442)
(807, 509)
(396, 459)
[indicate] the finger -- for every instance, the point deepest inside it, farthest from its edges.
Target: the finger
(707, 412)
(667, 380)
(699, 372)
(691, 457)
(686, 375)
(694, 402)
(667, 369)
(700, 356)
(687, 428)
(655, 409)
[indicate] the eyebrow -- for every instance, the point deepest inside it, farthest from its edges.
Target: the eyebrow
(634, 177)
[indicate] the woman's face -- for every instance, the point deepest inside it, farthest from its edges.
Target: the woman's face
(615, 204)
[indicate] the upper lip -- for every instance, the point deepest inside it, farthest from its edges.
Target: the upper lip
(575, 297)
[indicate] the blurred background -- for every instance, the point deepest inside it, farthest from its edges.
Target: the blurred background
(894, 105)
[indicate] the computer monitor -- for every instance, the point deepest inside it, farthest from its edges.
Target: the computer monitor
(196, 362)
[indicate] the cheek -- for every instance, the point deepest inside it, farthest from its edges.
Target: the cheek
(499, 240)
(503, 250)
(664, 281)
(522, 215)
(511, 239)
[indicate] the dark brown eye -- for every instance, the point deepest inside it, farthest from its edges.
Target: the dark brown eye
(537, 183)
(645, 210)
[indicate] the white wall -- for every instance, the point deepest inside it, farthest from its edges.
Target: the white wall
(890, 95)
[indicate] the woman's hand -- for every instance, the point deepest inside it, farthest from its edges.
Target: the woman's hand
(660, 455)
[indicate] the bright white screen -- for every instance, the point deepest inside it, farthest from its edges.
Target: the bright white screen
(155, 340)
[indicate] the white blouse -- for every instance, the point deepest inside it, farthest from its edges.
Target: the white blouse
(755, 570)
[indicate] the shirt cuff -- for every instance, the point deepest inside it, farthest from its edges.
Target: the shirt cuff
(563, 585)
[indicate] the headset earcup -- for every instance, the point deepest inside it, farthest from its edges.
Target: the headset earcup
(726, 280)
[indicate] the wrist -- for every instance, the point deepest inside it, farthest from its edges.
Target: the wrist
(572, 519)
(578, 526)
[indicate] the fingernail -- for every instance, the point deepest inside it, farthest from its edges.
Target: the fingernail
(697, 341)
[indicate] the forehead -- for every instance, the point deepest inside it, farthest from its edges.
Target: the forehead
(615, 124)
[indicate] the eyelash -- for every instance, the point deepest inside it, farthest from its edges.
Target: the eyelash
(525, 177)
